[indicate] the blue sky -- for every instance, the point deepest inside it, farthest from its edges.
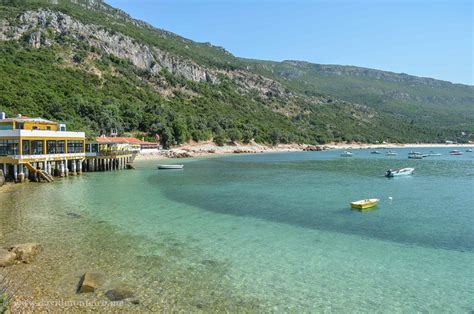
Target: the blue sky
(421, 37)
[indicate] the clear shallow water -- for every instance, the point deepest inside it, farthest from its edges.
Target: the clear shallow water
(271, 232)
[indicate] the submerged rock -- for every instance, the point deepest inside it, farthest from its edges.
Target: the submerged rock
(89, 282)
(25, 253)
(119, 294)
(210, 263)
(74, 215)
(7, 258)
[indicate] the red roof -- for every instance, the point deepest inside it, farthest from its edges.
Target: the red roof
(129, 140)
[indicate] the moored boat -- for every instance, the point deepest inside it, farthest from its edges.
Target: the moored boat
(346, 154)
(455, 152)
(416, 155)
(399, 172)
(433, 154)
(391, 153)
(170, 167)
(469, 150)
(364, 204)
(375, 152)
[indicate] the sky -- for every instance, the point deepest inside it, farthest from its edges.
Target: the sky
(430, 38)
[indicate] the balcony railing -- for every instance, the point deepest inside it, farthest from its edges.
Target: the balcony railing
(49, 156)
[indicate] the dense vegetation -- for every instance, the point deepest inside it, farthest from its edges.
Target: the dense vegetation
(94, 91)
(422, 100)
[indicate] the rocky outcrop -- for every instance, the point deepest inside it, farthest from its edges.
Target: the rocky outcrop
(89, 282)
(177, 154)
(45, 27)
(244, 151)
(254, 82)
(313, 148)
(37, 24)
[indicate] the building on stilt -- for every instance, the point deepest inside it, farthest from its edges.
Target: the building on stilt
(39, 149)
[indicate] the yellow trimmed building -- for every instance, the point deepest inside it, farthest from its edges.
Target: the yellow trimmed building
(36, 148)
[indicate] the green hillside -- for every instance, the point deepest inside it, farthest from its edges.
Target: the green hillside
(423, 100)
(71, 75)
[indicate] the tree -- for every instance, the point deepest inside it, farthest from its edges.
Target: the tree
(247, 136)
(180, 131)
(234, 135)
(219, 139)
(275, 137)
(167, 137)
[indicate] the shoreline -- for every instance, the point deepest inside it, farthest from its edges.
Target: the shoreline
(207, 149)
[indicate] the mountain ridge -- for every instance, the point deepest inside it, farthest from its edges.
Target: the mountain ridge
(307, 104)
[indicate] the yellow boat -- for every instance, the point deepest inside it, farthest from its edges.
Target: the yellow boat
(364, 204)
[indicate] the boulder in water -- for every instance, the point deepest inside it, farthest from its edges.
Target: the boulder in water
(7, 258)
(119, 294)
(89, 282)
(25, 253)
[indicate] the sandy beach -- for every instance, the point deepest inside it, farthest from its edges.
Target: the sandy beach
(204, 149)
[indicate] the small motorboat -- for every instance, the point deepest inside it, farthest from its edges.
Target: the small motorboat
(364, 204)
(346, 154)
(433, 154)
(170, 167)
(375, 152)
(469, 150)
(455, 152)
(399, 172)
(415, 155)
(391, 153)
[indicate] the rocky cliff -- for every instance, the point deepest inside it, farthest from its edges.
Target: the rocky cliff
(97, 67)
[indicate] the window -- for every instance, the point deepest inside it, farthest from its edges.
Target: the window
(48, 128)
(95, 148)
(60, 147)
(25, 147)
(35, 128)
(51, 147)
(37, 147)
(74, 147)
(9, 147)
(19, 125)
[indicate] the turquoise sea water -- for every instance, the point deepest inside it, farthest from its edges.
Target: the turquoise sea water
(274, 230)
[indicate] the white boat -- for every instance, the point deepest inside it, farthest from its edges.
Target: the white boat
(391, 153)
(346, 154)
(433, 154)
(399, 172)
(375, 152)
(469, 150)
(170, 167)
(416, 155)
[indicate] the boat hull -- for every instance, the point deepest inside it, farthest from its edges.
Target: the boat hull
(170, 167)
(365, 204)
(399, 172)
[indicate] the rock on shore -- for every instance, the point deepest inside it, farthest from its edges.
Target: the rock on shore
(20, 253)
